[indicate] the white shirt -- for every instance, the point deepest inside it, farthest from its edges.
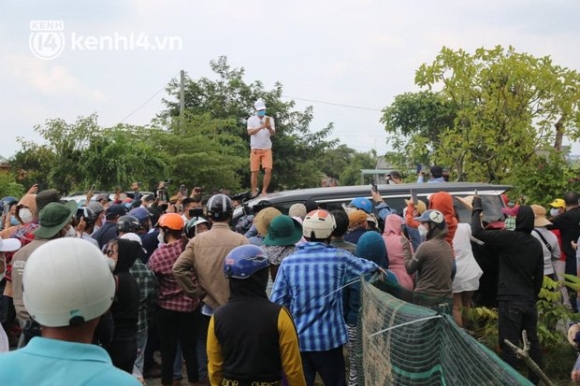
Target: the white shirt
(260, 140)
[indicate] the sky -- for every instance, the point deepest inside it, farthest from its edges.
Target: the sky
(351, 53)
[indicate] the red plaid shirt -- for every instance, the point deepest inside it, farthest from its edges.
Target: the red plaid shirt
(171, 297)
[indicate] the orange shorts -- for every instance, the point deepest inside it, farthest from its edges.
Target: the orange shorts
(263, 156)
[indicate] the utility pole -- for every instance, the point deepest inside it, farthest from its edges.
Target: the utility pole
(181, 95)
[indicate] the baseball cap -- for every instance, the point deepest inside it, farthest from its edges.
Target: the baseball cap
(95, 207)
(140, 213)
(260, 105)
(116, 210)
(9, 245)
(558, 203)
(54, 217)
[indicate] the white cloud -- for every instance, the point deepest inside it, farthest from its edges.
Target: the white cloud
(46, 78)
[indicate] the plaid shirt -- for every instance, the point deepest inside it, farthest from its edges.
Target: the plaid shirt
(171, 296)
(147, 292)
(309, 284)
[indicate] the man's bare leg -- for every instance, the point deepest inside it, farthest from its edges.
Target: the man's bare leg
(267, 179)
(254, 180)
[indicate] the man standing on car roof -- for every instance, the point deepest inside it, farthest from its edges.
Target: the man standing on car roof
(260, 129)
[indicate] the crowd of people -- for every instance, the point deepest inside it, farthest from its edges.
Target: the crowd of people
(96, 291)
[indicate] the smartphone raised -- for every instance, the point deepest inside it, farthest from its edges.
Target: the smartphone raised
(414, 196)
(374, 187)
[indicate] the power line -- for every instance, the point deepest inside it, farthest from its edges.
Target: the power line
(145, 103)
(333, 104)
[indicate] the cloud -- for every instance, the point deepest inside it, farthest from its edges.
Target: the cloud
(47, 78)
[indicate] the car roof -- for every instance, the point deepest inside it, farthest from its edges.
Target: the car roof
(346, 192)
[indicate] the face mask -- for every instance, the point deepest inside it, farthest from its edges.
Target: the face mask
(422, 230)
(14, 221)
(25, 215)
(71, 232)
(261, 113)
(112, 263)
(554, 212)
(510, 223)
(161, 237)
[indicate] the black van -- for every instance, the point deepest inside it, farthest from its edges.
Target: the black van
(394, 195)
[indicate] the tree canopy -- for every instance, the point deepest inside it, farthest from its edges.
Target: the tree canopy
(207, 146)
(492, 115)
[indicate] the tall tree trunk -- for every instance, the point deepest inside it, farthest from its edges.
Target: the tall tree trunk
(559, 133)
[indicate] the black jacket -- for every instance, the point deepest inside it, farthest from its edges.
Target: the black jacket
(569, 225)
(521, 260)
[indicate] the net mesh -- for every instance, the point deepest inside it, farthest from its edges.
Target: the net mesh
(400, 343)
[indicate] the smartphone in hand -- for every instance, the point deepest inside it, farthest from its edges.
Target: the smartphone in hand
(374, 187)
(414, 196)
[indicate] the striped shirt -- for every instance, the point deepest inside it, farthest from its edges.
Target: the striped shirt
(309, 284)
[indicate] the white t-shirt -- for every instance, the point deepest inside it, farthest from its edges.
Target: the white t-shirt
(260, 140)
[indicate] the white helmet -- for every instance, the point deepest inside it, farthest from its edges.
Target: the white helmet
(67, 282)
(318, 224)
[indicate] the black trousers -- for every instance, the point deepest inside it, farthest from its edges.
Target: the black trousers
(172, 327)
(515, 317)
(123, 353)
(329, 364)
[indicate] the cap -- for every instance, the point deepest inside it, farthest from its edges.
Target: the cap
(540, 219)
(116, 210)
(96, 207)
(140, 213)
(260, 105)
(558, 203)
(54, 217)
(9, 245)
(357, 216)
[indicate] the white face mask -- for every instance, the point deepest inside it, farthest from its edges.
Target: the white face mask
(160, 237)
(112, 263)
(554, 212)
(25, 215)
(422, 230)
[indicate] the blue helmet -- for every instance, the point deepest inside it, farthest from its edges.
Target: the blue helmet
(363, 204)
(245, 260)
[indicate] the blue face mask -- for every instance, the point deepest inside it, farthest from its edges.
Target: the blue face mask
(261, 113)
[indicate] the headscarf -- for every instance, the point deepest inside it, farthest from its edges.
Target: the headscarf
(371, 246)
(443, 202)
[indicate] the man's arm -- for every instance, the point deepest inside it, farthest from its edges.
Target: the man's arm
(356, 266)
(539, 272)
(270, 126)
(182, 272)
(215, 359)
(289, 350)
(382, 208)
(409, 219)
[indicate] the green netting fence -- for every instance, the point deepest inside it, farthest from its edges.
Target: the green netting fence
(420, 347)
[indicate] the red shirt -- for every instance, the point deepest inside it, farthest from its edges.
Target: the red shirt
(25, 234)
(171, 297)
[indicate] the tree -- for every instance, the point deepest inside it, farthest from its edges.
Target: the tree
(414, 122)
(229, 98)
(508, 107)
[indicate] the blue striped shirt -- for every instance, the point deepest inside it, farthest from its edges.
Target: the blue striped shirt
(308, 283)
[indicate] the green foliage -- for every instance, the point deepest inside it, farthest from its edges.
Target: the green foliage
(553, 316)
(9, 186)
(229, 98)
(492, 117)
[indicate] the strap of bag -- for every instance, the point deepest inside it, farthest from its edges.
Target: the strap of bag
(547, 245)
